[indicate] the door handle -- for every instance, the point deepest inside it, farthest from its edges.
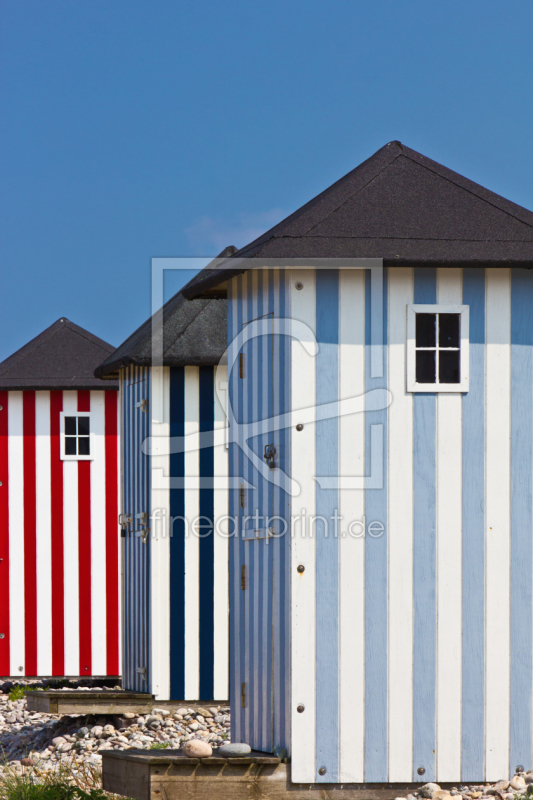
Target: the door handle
(269, 455)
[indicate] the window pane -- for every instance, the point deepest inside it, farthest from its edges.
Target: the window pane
(70, 426)
(425, 330)
(70, 445)
(449, 366)
(83, 446)
(83, 426)
(425, 366)
(448, 330)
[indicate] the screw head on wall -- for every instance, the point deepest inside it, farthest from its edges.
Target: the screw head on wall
(322, 771)
(300, 709)
(299, 427)
(421, 770)
(299, 286)
(519, 769)
(300, 568)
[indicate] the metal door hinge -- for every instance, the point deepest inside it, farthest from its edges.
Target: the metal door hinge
(142, 404)
(243, 577)
(269, 455)
(242, 495)
(124, 519)
(243, 695)
(241, 365)
(142, 672)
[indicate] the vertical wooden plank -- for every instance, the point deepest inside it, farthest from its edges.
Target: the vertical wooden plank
(220, 586)
(30, 534)
(159, 536)
(16, 525)
(497, 522)
(400, 477)
(4, 532)
(473, 556)
(376, 555)
(112, 533)
(206, 571)
(424, 561)
(70, 551)
(351, 543)
(303, 585)
(327, 541)
(44, 533)
(192, 550)
(56, 488)
(521, 744)
(177, 538)
(98, 534)
(84, 552)
(449, 555)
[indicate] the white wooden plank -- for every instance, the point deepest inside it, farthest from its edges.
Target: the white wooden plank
(221, 588)
(303, 585)
(120, 492)
(98, 535)
(16, 533)
(400, 477)
(351, 546)
(160, 539)
(44, 533)
(70, 553)
(449, 556)
(497, 521)
(192, 542)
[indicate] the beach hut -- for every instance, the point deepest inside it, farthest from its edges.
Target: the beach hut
(387, 636)
(175, 562)
(59, 534)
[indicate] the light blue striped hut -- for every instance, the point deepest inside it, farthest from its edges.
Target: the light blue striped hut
(381, 612)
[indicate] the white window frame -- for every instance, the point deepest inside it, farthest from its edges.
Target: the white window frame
(63, 456)
(464, 341)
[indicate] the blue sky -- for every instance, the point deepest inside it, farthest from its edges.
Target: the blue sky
(132, 129)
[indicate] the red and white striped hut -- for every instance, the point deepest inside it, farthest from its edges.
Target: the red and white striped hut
(59, 535)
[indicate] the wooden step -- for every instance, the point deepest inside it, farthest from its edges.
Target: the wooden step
(141, 775)
(89, 702)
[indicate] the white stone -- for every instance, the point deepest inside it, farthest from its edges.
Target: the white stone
(197, 749)
(517, 782)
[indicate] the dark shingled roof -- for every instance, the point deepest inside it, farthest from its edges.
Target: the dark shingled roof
(400, 206)
(194, 334)
(63, 356)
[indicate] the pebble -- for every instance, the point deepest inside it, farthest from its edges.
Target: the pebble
(517, 782)
(195, 748)
(234, 750)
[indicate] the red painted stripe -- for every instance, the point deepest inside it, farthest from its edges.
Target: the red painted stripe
(112, 533)
(4, 536)
(30, 534)
(58, 602)
(84, 551)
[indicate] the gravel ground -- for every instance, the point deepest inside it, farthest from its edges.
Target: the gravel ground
(28, 738)
(520, 785)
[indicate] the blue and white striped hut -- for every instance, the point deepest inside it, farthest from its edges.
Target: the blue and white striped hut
(175, 569)
(390, 637)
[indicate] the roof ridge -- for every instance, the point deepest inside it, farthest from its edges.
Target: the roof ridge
(359, 189)
(468, 188)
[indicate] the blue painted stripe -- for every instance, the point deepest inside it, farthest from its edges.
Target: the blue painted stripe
(233, 542)
(521, 515)
(425, 560)
(473, 691)
(375, 570)
(327, 544)
(285, 544)
(239, 401)
(177, 540)
(207, 542)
